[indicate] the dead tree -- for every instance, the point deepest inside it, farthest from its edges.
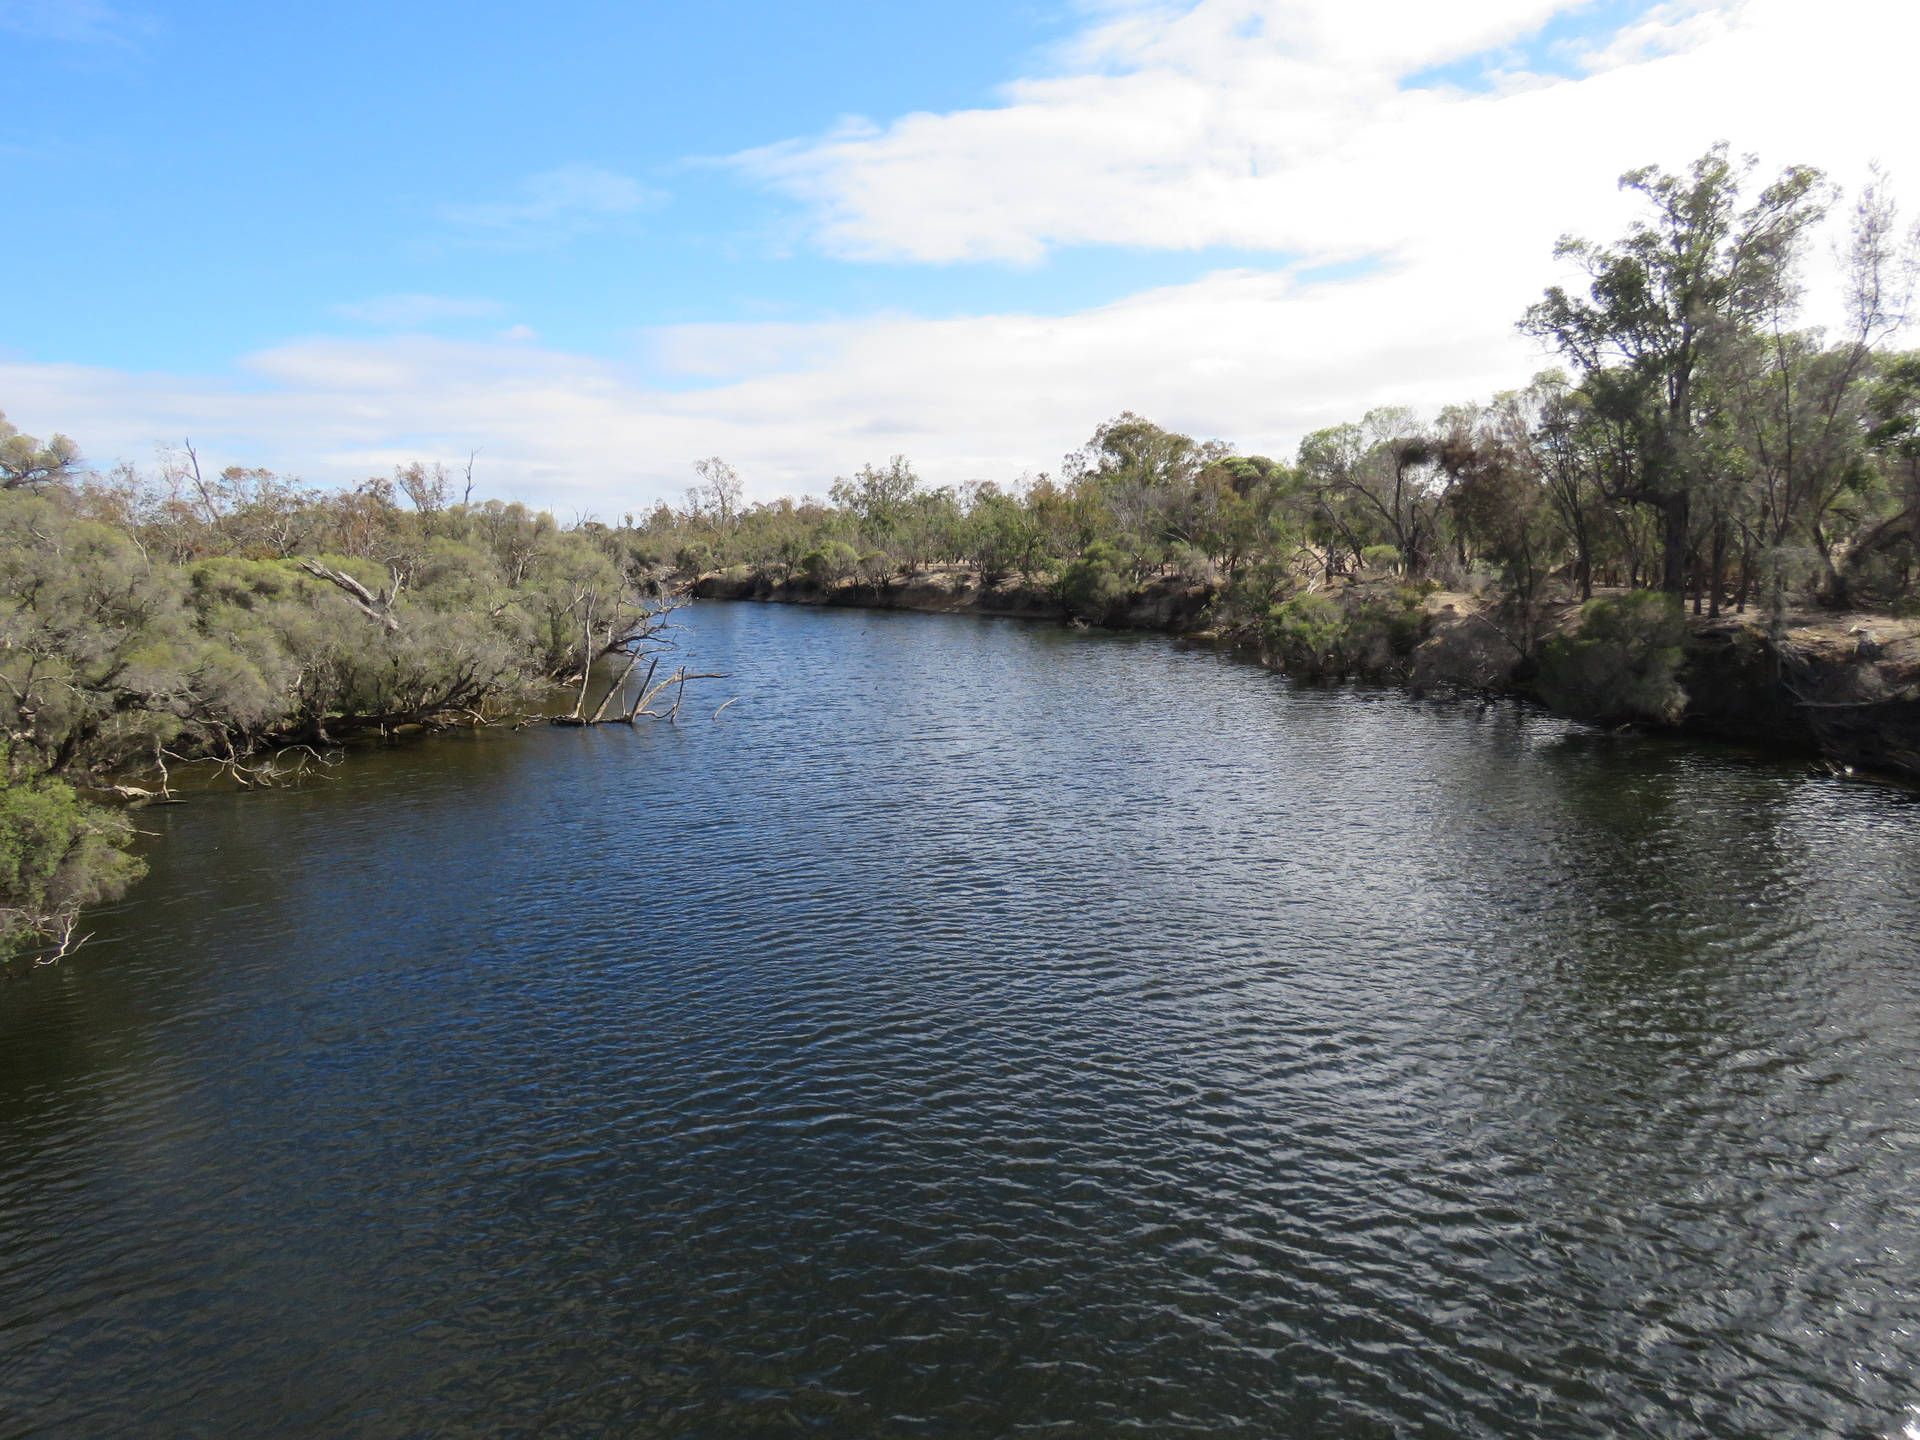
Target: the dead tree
(639, 635)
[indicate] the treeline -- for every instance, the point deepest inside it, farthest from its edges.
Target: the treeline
(1697, 444)
(149, 621)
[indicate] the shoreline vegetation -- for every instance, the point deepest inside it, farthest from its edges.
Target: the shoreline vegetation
(1840, 688)
(1709, 520)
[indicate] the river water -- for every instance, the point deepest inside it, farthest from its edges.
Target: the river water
(981, 1030)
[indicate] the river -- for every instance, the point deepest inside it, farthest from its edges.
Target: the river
(984, 1029)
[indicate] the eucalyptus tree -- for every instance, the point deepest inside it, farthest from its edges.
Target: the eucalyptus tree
(1377, 483)
(1694, 275)
(1891, 545)
(719, 494)
(1805, 406)
(29, 464)
(1142, 481)
(878, 498)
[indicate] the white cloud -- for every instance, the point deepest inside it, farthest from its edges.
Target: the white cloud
(556, 204)
(1250, 355)
(1177, 129)
(1283, 127)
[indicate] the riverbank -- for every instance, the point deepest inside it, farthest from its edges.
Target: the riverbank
(1840, 688)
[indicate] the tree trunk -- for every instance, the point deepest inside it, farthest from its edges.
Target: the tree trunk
(1673, 574)
(1717, 571)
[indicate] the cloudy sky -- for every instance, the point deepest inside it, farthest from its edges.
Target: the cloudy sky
(602, 243)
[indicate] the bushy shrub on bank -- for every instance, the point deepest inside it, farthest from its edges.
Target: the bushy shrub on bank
(1092, 587)
(1620, 665)
(829, 564)
(1362, 632)
(1307, 634)
(57, 853)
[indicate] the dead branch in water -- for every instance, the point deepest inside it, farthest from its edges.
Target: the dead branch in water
(68, 944)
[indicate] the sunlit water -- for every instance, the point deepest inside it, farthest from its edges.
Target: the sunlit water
(984, 1030)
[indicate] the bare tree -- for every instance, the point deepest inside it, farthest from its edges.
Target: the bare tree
(720, 490)
(640, 634)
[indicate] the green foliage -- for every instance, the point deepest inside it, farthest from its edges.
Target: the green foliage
(1091, 587)
(57, 853)
(1620, 665)
(828, 565)
(1365, 632)
(26, 463)
(1308, 633)
(998, 536)
(1397, 620)
(1669, 310)
(878, 498)
(1380, 559)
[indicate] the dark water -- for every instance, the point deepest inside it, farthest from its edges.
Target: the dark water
(984, 1031)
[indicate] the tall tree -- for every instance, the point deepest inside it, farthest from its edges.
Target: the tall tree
(1690, 277)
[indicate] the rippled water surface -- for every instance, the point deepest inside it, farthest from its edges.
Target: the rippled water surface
(984, 1030)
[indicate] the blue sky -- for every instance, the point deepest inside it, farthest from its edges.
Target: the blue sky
(600, 240)
(218, 177)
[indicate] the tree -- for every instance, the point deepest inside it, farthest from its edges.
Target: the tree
(26, 464)
(1376, 483)
(1685, 283)
(1142, 480)
(719, 492)
(427, 489)
(878, 498)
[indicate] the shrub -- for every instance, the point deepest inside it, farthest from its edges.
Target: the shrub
(1620, 664)
(57, 853)
(1091, 587)
(1396, 622)
(1192, 564)
(828, 565)
(695, 559)
(1307, 632)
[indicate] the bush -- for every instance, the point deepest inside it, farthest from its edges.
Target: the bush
(829, 565)
(1620, 664)
(1308, 633)
(1192, 565)
(1395, 622)
(1091, 587)
(694, 560)
(57, 853)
